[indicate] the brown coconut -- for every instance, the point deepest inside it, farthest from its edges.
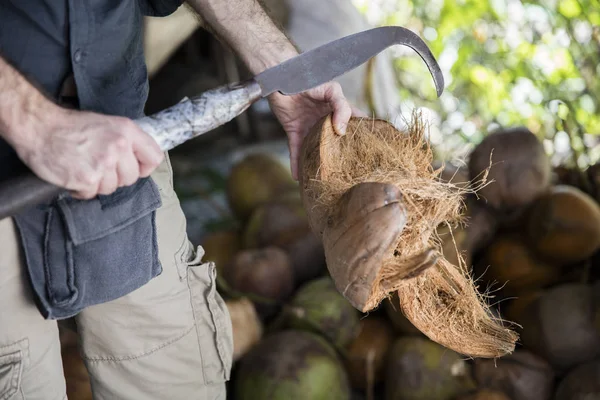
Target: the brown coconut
(513, 266)
(582, 383)
(561, 325)
(564, 225)
(265, 273)
(247, 326)
(367, 354)
(486, 394)
(283, 223)
(376, 202)
(520, 170)
(521, 375)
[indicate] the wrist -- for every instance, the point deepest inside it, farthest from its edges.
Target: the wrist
(270, 56)
(25, 121)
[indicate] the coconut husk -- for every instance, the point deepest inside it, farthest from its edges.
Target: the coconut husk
(374, 198)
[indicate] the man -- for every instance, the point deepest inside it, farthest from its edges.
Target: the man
(114, 254)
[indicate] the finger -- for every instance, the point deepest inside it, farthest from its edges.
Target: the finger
(146, 150)
(294, 147)
(109, 182)
(341, 108)
(128, 169)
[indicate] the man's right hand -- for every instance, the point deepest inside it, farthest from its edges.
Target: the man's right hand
(89, 153)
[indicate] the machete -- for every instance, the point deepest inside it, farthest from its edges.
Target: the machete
(193, 117)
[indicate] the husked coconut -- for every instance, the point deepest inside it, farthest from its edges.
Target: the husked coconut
(376, 202)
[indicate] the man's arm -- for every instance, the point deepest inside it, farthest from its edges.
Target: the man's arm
(251, 33)
(84, 152)
(248, 30)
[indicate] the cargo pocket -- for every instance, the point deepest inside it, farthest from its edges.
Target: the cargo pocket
(91, 252)
(12, 358)
(212, 320)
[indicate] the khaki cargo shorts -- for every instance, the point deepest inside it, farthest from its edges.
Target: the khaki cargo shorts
(170, 339)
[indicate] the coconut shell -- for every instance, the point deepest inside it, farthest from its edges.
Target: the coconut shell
(582, 383)
(374, 199)
(521, 376)
(419, 369)
(520, 170)
(291, 365)
(283, 223)
(367, 354)
(317, 306)
(486, 394)
(255, 180)
(564, 225)
(247, 326)
(266, 273)
(515, 268)
(560, 325)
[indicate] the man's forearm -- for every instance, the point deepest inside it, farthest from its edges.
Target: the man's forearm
(247, 28)
(21, 106)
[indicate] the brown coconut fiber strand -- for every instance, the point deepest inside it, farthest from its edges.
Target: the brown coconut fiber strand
(440, 299)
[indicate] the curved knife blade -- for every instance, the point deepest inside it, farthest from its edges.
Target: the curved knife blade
(325, 63)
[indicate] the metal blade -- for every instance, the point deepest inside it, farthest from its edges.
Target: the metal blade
(325, 63)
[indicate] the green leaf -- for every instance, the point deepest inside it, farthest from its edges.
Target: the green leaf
(569, 8)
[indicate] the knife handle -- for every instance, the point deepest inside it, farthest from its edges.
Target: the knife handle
(170, 128)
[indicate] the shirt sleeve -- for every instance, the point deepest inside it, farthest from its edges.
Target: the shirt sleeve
(159, 8)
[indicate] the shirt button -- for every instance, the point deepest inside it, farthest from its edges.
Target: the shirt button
(77, 56)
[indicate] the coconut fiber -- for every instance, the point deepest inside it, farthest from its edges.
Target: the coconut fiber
(375, 200)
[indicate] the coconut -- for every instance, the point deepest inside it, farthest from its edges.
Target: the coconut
(317, 306)
(419, 369)
(582, 383)
(220, 247)
(247, 326)
(517, 307)
(511, 264)
(291, 365)
(367, 353)
(400, 323)
(283, 223)
(560, 325)
(486, 394)
(255, 180)
(564, 225)
(521, 376)
(374, 199)
(520, 170)
(264, 273)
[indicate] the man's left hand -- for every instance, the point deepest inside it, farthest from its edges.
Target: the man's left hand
(299, 113)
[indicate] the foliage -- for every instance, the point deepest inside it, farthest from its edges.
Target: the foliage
(506, 63)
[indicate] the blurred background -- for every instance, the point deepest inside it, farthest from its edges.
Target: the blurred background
(523, 75)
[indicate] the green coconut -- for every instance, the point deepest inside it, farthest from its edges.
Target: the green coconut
(561, 325)
(318, 307)
(283, 223)
(582, 383)
(419, 369)
(255, 180)
(291, 365)
(521, 376)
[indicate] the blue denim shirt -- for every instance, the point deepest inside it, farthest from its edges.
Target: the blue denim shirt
(80, 253)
